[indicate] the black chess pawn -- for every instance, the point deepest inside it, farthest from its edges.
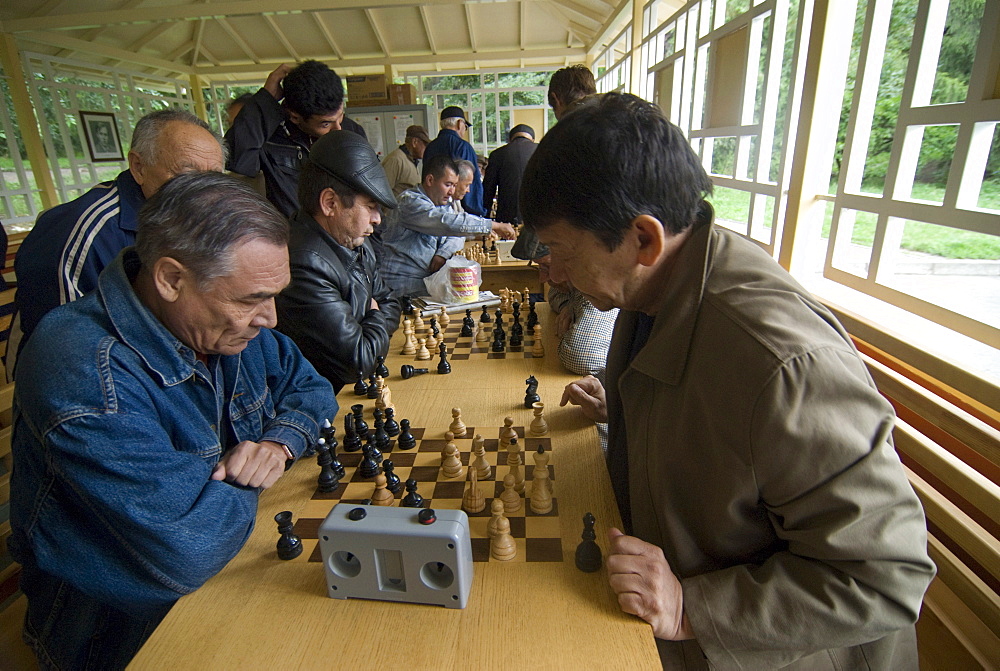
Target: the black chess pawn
(588, 552)
(289, 545)
(327, 480)
(360, 387)
(498, 341)
(499, 317)
(368, 468)
(372, 387)
(380, 367)
(532, 316)
(360, 425)
(515, 326)
(412, 498)
(443, 366)
(468, 324)
(516, 308)
(352, 441)
(407, 371)
(406, 441)
(381, 438)
(468, 317)
(391, 425)
(372, 447)
(392, 481)
(485, 317)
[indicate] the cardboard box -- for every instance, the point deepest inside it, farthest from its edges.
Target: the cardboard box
(402, 94)
(366, 90)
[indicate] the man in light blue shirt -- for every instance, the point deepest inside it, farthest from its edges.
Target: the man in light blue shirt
(425, 230)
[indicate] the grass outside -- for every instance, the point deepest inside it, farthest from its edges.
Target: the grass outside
(950, 243)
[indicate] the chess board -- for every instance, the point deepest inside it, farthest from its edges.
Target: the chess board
(537, 537)
(463, 348)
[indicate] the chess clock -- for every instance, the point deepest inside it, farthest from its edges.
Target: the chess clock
(417, 555)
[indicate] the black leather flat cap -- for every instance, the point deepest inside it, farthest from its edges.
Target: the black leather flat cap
(348, 157)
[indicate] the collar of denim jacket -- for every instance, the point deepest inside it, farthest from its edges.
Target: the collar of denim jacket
(167, 357)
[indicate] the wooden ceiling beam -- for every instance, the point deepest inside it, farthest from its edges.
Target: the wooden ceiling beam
(472, 31)
(67, 42)
(238, 39)
(327, 35)
(281, 37)
(378, 33)
(427, 29)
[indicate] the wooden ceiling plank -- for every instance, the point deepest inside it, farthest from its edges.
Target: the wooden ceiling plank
(199, 28)
(580, 11)
(240, 42)
(281, 37)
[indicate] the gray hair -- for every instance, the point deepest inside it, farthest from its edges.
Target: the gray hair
(451, 122)
(198, 218)
(465, 168)
(146, 136)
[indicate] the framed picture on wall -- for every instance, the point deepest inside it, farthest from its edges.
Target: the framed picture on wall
(101, 131)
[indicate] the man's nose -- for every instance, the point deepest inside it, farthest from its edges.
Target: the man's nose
(267, 315)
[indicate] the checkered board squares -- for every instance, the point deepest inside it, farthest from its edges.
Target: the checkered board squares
(537, 537)
(462, 349)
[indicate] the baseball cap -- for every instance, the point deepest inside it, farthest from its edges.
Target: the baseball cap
(450, 112)
(527, 246)
(348, 157)
(419, 133)
(521, 128)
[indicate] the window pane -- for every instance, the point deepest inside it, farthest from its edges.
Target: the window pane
(732, 208)
(852, 246)
(958, 50)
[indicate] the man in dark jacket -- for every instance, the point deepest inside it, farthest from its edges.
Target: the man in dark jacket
(504, 170)
(337, 308)
(275, 138)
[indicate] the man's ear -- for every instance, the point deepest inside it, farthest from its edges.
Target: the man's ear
(169, 278)
(137, 167)
(650, 238)
(294, 117)
(329, 203)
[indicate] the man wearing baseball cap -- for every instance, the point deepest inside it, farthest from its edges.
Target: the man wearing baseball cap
(337, 308)
(402, 165)
(451, 142)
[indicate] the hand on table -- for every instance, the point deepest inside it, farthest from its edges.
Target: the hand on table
(646, 587)
(588, 393)
(436, 263)
(273, 83)
(252, 464)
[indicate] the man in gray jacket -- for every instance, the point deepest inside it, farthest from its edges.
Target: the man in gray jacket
(767, 520)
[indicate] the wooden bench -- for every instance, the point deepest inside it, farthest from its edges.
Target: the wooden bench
(948, 437)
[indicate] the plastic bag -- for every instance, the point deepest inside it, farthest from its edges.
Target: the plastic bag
(457, 281)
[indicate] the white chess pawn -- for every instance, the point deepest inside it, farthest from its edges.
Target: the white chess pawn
(511, 499)
(483, 468)
(451, 464)
(444, 319)
(422, 352)
(496, 509)
(457, 425)
(538, 350)
(409, 343)
(539, 427)
(502, 545)
(383, 495)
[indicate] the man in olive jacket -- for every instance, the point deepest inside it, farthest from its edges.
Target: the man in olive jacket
(337, 309)
(768, 522)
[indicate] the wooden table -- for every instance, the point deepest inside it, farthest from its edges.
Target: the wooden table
(514, 275)
(261, 612)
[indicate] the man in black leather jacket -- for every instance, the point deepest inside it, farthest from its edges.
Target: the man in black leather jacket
(337, 309)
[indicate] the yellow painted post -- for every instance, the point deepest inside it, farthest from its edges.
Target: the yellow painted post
(199, 98)
(388, 74)
(638, 73)
(10, 59)
(825, 71)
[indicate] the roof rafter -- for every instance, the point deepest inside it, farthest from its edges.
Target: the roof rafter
(427, 28)
(378, 32)
(472, 31)
(238, 39)
(66, 42)
(281, 37)
(574, 8)
(199, 28)
(327, 35)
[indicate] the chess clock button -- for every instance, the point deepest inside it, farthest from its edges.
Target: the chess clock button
(427, 516)
(357, 514)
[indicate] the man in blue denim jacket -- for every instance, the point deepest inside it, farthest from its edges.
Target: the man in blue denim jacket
(148, 417)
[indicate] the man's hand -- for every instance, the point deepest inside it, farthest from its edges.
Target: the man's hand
(646, 587)
(252, 464)
(588, 393)
(374, 305)
(436, 263)
(273, 83)
(564, 321)
(504, 231)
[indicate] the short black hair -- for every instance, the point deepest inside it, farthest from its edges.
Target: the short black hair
(607, 163)
(313, 88)
(313, 180)
(438, 165)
